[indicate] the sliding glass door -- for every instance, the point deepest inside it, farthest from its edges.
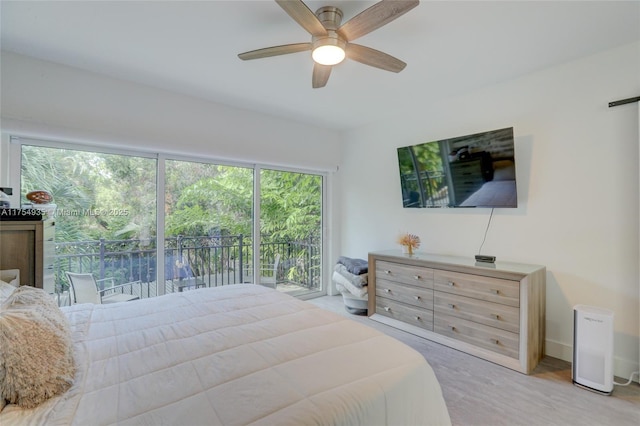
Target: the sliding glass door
(105, 212)
(213, 225)
(291, 231)
(208, 224)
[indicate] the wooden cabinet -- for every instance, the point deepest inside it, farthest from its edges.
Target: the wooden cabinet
(30, 247)
(493, 311)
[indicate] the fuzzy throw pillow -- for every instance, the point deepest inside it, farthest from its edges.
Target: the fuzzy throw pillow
(36, 351)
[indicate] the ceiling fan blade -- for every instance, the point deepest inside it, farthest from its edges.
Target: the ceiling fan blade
(374, 58)
(303, 16)
(275, 51)
(374, 17)
(321, 75)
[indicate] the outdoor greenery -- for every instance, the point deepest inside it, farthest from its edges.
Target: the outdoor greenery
(106, 203)
(97, 195)
(114, 197)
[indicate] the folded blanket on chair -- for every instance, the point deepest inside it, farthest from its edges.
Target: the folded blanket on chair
(355, 266)
(342, 281)
(357, 280)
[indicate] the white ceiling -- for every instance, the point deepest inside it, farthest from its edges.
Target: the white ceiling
(189, 47)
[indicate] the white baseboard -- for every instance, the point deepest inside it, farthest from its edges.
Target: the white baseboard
(558, 350)
(622, 368)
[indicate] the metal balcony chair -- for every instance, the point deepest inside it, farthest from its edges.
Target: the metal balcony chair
(86, 289)
(268, 273)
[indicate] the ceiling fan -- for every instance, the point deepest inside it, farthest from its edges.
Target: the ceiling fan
(332, 42)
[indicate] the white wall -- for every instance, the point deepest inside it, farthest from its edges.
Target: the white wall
(44, 99)
(577, 171)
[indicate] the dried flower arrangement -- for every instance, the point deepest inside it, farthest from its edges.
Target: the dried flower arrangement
(410, 241)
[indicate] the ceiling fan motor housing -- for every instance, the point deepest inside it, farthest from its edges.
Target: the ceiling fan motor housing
(330, 16)
(331, 39)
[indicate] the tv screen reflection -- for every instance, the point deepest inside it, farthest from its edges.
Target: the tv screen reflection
(476, 170)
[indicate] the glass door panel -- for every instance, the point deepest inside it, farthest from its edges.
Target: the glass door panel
(105, 214)
(291, 231)
(208, 225)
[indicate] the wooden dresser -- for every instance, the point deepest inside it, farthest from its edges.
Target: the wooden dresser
(493, 311)
(30, 247)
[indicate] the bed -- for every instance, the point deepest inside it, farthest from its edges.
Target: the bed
(238, 354)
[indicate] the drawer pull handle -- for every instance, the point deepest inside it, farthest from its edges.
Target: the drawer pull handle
(452, 327)
(417, 297)
(494, 291)
(417, 318)
(417, 277)
(495, 341)
(388, 290)
(388, 272)
(450, 283)
(495, 316)
(452, 306)
(386, 308)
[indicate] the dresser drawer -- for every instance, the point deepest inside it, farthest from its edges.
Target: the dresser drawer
(411, 295)
(422, 318)
(495, 290)
(493, 339)
(487, 313)
(495, 313)
(406, 274)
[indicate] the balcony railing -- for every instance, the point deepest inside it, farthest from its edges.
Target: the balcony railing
(208, 261)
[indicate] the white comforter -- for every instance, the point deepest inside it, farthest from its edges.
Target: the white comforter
(239, 354)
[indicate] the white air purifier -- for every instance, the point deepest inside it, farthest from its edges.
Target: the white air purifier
(593, 348)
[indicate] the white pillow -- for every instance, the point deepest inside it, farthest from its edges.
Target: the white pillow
(5, 290)
(11, 276)
(36, 350)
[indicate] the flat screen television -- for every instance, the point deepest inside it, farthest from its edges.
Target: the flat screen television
(476, 170)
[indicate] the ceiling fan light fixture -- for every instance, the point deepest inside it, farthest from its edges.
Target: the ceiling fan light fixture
(328, 55)
(331, 40)
(328, 50)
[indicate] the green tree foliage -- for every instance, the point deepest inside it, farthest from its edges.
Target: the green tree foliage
(97, 195)
(61, 174)
(214, 199)
(114, 197)
(291, 205)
